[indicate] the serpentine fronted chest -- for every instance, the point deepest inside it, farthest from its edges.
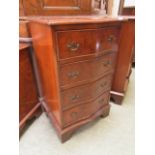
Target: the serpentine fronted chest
(76, 58)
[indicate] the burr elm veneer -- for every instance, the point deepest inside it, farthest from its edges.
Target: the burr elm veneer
(76, 59)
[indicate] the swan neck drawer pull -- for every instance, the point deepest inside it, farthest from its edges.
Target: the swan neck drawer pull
(73, 46)
(75, 97)
(111, 38)
(107, 63)
(73, 74)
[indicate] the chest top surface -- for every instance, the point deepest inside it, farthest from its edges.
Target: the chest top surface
(67, 20)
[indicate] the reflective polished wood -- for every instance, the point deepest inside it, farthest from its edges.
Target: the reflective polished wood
(29, 104)
(76, 56)
(54, 7)
(124, 61)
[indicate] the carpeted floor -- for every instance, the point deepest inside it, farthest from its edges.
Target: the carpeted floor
(113, 135)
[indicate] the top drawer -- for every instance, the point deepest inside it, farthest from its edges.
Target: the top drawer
(82, 42)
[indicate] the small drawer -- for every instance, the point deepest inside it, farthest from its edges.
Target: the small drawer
(75, 72)
(82, 42)
(83, 111)
(102, 85)
(77, 95)
(103, 64)
(75, 114)
(101, 101)
(86, 70)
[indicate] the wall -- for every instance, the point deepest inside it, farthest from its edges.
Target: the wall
(129, 3)
(116, 5)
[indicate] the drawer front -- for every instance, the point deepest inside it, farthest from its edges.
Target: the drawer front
(86, 70)
(102, 85)
(83, 111)
(83, 42)
(86, 92)
(103, 64)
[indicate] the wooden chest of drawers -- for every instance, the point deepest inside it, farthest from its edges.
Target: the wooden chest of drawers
(29, 104)
(124, 61)
(76, 59)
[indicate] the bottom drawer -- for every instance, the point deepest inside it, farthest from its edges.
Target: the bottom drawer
(85, 110)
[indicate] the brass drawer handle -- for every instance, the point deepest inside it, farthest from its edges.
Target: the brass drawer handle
(111, 38)
(73, 46)
(103, 84)
(75, 97)
(107, 63)
(73, 74)
(101, 101)
(74, 115)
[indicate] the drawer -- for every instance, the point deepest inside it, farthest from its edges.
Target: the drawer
(86, 70)
(86, 92)
(83, 111)
(82, 42)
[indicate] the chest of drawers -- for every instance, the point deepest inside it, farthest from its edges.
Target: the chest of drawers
(76, 59)
(29, 105)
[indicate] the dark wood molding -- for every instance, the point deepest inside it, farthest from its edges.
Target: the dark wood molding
(29, 115)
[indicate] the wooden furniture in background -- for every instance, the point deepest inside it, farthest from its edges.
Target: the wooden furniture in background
(29, 105)
(99, 7)
(54, 7)
(124, 61)
(126, 54)
(59, 7)
(128, 10)
(76, 59)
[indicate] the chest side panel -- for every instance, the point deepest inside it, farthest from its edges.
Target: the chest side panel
(43, 43)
